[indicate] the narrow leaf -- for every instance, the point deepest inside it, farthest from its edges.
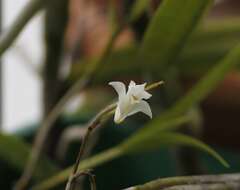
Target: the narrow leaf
(205, 48)
(138, 8)
(91, 162)
(143, 139)
(107, 155)
(208, 83)
(152, 140)
(168, 31)
(15, 152)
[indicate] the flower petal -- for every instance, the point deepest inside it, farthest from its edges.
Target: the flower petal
(132, 101)
(138, 91)
(143, 107)
(144, 95)
(131, 84)
(119, 87)
(117, 116)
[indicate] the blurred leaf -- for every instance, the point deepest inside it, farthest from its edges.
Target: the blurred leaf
(110, 154)
(202, 89)
(15, 152)
(152, 139)
(140, 141)
(168, 31)
(207, 46)
(138, 8)
(143, 139)
(113, 15)
(62, 176)
(119, 63)
(209, 82)
(215, 30)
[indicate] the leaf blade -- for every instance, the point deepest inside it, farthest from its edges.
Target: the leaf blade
(153, 139)
(14, 151)
(169, 29)
(138, 8)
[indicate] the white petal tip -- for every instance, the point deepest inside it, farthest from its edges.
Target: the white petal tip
(149, 114)
(118, 121)
(111, 83)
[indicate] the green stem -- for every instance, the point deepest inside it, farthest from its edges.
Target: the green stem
(100, 118)
(27, 13)
(96, 122)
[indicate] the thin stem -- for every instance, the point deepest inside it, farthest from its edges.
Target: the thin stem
(82, 148)
(87, 173)
(109, 154)
(62, 176)
(9, 36)
(218, 182)
(154, 85)
(97, 121)
(57, 110)
(90, 176)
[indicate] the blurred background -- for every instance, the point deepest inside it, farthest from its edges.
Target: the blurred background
(21, 86)
(64, 40)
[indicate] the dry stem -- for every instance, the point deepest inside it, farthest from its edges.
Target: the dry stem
(204, 182)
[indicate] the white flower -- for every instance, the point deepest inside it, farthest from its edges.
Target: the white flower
(132, 101)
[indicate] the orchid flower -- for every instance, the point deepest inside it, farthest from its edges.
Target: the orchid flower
(132, 101)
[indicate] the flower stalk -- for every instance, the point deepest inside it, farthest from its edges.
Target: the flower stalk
(98, 121)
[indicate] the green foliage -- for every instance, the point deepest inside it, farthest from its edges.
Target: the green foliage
(134, 143)
(147, 138)
(168, 31)
(152, 139)
(143, 140)
(15, 152)
(166, 35)
(167, 40)
(157, 135)
(210, 42)
(208, 83)
(138, 8)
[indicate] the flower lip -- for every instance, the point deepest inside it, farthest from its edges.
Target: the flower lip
(135, 98)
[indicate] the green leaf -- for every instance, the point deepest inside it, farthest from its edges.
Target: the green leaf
(215, 30)
(108, 155)
(143, 139)
(168, 31)
(163, 40)
(139, 142)
(15, 152)
(118, 63)
(151, 139)
(91, 162)
(138, 8)
(113, 15)
(208, 45)
(202, 89)
(209, 82)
